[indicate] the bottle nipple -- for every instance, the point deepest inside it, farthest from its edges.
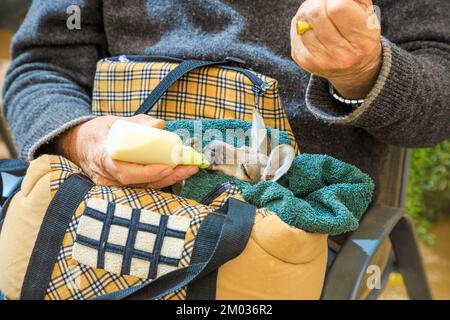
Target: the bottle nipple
(190, 157)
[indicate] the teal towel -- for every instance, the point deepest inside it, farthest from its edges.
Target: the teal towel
(220, 129)
(318, 194)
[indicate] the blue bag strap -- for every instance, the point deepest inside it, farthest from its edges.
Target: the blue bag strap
(48, 243)
(4, 208)
(221, 238)
(15, 167)
(173, 76)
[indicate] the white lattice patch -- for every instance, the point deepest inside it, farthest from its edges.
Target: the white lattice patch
(128, 241)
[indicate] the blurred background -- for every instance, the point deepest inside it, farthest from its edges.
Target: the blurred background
(428, 193)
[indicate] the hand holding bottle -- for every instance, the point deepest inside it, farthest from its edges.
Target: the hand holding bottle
(86, 145)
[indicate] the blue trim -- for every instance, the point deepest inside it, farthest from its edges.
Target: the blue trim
(260, 84)
(157, 246)
(131, 240)
(104, 235)
(118, 249)
(100, 216)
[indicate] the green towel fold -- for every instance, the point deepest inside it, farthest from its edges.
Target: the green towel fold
(208, 130)
(318, 194)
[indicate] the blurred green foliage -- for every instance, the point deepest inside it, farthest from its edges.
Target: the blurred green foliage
(428, 195)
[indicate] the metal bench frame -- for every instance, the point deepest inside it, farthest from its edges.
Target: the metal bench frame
(386, 219)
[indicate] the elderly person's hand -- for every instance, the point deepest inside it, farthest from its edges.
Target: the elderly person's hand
(343, 46)
(85, 145)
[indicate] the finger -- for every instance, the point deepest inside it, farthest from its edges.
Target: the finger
(299, 51)
(303, 13)
(133, 173)
(364, 3)
(180, 173)
(350, 18)
(314, 45)
(315, 12)
(103, 181)
(148, 121)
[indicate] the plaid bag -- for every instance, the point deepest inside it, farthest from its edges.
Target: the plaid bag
(123, 242)
(126, 85)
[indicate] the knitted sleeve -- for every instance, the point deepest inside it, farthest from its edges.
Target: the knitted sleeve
(48, 86)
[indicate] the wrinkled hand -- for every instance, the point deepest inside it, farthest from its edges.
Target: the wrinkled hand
(344, 45)
(85, 145)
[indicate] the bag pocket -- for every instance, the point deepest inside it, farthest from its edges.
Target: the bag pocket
(278, 262)
(127, 241)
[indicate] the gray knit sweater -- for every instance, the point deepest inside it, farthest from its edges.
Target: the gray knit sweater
(48, 88)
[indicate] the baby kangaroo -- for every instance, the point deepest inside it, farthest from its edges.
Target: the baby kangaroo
(259, 162)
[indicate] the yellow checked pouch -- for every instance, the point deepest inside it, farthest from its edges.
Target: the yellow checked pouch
(65, 238)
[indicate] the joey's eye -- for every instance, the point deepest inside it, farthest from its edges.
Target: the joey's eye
(245, 170)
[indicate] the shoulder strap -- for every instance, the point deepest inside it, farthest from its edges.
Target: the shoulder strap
(221, 238)
(235, 233)
(183, 68)
(48, 243)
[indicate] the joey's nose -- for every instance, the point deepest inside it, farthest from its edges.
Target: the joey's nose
(210, 155)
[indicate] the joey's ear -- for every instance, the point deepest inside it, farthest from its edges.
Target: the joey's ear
(194, 143)
(260, 142)
(279, 162)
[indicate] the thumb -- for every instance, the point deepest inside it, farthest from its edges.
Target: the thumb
(147, 120)
(364, 3)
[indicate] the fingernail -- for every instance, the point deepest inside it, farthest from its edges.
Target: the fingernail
(166, 172)
(158, 123)
(193, 170)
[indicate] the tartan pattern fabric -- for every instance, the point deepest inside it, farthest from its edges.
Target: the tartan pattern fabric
(73, 280)
(129, 241)
(120, 87)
